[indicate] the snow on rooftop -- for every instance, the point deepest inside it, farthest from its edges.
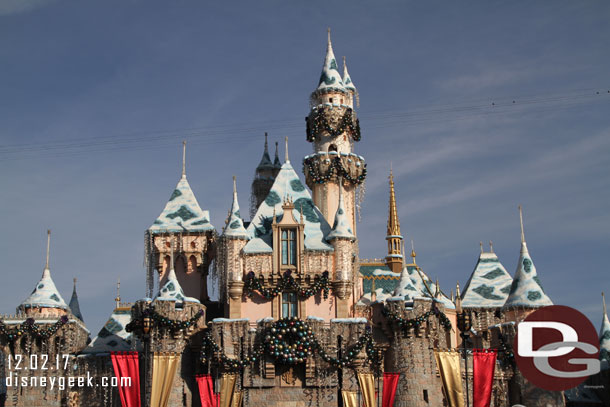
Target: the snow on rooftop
(182, 213)
(489, 284)
(287, 184)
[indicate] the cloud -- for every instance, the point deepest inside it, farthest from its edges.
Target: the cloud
(8, 7)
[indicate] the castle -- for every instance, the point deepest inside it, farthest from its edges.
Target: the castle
(293, 268)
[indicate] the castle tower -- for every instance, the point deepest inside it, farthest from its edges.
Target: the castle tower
(342, 239)
(332, 128)
(233, 240)
(184, 227)
(45, 299)
(74, 304)
(526, 293)
(394, 259)
(264, 176)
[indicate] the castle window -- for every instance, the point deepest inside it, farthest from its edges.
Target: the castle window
(289, 305)
(332, 147)
(289, 247)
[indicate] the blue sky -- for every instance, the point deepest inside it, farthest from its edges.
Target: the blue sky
(96, 97)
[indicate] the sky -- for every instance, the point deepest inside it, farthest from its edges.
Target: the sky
(478, 106)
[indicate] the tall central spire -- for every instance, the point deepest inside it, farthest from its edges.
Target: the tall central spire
(184, 158)
(393, 222)
(394, 259)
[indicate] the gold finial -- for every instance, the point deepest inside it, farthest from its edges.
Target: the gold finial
(328, 35)
(491, 246)
(373, 292)
(481, 244)
(604, 301)
(118, 292)
(234, 184)
(183, 158)
(521, 221)
(458, 298)
(413, 254)
(274, 217)
(48, 248)
(452, 297)
(301, 219)
(286, 158)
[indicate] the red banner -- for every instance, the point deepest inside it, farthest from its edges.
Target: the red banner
(484, 363)
(206, 390)
(390, 383)
(127, 364)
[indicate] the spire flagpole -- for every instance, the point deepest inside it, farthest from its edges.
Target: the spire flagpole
(183, 158)
(48, 248)
(521, 222)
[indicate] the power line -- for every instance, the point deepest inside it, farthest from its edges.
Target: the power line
(242, 132)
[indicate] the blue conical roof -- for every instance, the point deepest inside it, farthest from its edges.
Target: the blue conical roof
(74, 305)
(489, 284)
(235, 225)
(526, 289)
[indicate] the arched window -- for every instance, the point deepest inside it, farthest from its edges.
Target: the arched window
(192, 265)
(332, 147)
(289, 247)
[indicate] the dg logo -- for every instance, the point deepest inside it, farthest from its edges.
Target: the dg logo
(557, 348)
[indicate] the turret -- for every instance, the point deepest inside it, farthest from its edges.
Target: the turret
(45, 299)
(526, 293)
(182, 225)
(264, 176)
(342, 239)
(332, 128)
(233, 240)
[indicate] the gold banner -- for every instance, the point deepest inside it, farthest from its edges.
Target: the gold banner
(449, 366)
(350, 398)
(367, 387)
(164, 370)
(237, 398)
(227, 386)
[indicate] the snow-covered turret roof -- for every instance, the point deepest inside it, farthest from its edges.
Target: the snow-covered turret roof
(489, 283)
(287, 184)
(330, 78)
(235, 224)
(347, 80)
(74, 305)
(341, 228)
(113, 337)
(406, 287)
(172, 290)
(526, 289)
(604, 339)
(45, 294)
(182, 212)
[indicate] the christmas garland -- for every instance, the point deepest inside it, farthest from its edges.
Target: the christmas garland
(29, 325)
(335, 168)
(406, 324)
(286, 283)
(317, 123)
(506, 350)
(163, 321)
(290, 341)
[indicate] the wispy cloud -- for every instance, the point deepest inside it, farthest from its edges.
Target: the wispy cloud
(8, 7)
